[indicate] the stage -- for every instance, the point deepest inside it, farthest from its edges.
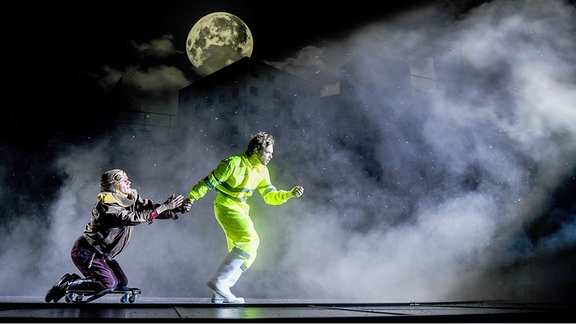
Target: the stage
(156, 309)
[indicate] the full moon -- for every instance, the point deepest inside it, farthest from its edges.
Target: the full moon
(217, 40)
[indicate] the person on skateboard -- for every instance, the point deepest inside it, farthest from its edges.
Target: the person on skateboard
(117, 210)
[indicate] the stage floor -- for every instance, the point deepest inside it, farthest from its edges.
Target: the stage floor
(148, 309)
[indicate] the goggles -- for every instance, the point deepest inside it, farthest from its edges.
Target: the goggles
(120, 176)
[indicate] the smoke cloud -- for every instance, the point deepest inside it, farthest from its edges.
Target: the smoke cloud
(412, 193)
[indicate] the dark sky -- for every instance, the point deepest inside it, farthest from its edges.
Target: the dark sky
(61, 50)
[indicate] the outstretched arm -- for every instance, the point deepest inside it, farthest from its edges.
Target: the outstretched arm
(168, 208)
(171, 203)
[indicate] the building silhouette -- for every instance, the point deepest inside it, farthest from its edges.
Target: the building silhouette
(244, 97)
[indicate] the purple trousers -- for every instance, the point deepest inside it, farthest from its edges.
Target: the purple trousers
(92, 264)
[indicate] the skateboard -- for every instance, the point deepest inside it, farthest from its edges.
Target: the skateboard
(77, 295)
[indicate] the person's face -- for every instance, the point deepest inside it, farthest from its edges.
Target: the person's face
(265, 154)
(123, 183)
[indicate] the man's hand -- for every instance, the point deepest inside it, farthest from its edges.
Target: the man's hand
(297, 191)
(186, 206)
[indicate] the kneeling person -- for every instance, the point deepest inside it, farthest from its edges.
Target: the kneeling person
(118, 209)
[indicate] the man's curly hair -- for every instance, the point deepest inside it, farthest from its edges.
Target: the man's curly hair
(259, 141)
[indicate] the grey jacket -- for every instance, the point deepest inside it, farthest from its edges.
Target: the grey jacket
(113, 218)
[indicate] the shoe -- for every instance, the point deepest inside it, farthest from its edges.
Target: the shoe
(217, 298)
(59, 290)
(225, 278)
(220, 299)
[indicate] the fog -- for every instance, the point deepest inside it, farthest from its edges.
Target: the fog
(421, 200)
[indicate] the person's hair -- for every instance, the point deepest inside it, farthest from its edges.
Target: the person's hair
(259, 141)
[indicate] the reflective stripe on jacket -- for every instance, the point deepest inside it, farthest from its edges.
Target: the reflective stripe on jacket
(236, 178)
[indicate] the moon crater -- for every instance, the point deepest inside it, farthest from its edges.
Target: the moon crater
(217, 40)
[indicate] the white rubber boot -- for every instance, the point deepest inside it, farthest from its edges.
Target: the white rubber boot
(226, 276)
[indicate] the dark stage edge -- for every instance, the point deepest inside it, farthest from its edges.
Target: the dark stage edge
(148, 309)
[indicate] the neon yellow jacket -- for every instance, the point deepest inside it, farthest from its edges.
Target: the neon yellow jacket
(235, 179)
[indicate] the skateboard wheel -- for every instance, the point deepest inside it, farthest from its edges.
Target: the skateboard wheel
(124, 298)
(132, 298)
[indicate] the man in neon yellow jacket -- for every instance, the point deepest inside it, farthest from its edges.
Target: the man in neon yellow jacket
(235, 180)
